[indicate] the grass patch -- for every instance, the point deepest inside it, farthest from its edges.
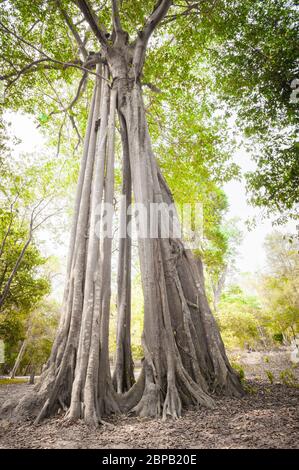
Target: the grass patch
(12, 381)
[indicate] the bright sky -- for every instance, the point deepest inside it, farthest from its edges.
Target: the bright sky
(252, 254)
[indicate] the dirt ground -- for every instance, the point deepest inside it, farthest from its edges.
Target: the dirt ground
(267, 417)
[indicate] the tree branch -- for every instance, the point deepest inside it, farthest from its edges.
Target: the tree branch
(160, 10)
(18, 73)
(155, 18)
(60, 135)
(68, 108)
(73, 29)
(188, 9)
(115, 16)
(92, 20)
(9, 225)
(56, 61)
(81, 87)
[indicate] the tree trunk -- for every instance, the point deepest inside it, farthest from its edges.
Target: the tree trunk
(71, 378)
(32, 375)
(18, 360)
(5, 291)
(218, 287)
(123, 377)
(184, 357)
(184, 354)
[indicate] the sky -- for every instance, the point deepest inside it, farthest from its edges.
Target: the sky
(251, 257)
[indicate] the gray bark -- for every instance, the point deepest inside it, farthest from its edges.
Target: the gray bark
(123, 376)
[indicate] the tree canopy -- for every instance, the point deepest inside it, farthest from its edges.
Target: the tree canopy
(206, 62)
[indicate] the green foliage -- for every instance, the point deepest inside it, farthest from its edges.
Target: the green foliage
(254, 65)
(137, 317)
(272, 317)
(137, 308)
(137, 351)
(41, 329)
(12, 332)
(219, 256)
(250, 388)
(278, 288)
(12, 381)
(37, 326)
(27, 287)
(278, 337)
(21, 201)
(239, 370)
(270, 376)
(288, 378)
(275, 183)
(238, 319)
(211, 64)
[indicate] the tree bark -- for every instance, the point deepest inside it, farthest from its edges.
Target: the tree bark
(123, 376)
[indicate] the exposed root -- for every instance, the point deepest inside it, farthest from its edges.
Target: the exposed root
(25, 410)
(172, 405)
(150, 403)
(129, 400)
(43, 412)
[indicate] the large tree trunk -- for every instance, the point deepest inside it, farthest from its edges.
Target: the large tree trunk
(184, 354)
(72, 379)
(184, 357)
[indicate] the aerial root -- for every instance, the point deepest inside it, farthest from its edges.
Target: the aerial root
(172, 405)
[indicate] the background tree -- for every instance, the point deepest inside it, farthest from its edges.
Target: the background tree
(41, 329)
(220, 257)
(279, 286)
(240, 319)
(27, 203)
(254, 67)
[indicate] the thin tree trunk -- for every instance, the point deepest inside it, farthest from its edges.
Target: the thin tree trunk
(106, 398)
(123, 377)
(218, 288)
(19, 358)
(32, 375)
(5, 291)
